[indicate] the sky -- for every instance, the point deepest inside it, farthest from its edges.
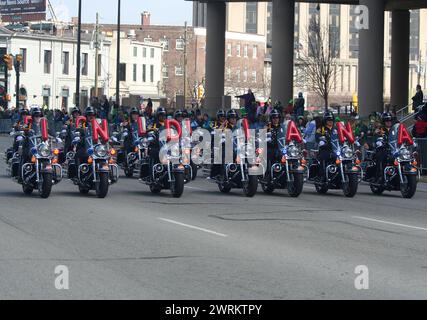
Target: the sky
(164, 12)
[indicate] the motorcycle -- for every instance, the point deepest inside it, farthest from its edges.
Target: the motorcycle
(43, 170)
(97, 171)
(169, 173)
(235, 174)
(401, 171)
(344, 173)
(288, 173)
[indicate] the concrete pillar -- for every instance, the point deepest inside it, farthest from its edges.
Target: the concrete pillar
(215, 56)
(400, 58)
(371, 59)
(282, 73)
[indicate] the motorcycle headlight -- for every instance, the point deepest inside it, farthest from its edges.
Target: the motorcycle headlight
(43, 150)
(293, 152)
(101, 151)
(347, 153)
(405, 154)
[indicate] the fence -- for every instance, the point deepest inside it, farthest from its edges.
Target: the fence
(422, 154)
(5, 125)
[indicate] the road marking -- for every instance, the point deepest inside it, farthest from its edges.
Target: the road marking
(195, 188)
(193, 227)
(391, 223)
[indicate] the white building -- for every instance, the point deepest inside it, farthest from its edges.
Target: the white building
(140, 68)
(48, 72)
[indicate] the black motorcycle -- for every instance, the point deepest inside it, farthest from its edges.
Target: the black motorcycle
(344, 173)
(288, 172)
(41, 172)
(169, 173)
(400, 172)
(96, 171)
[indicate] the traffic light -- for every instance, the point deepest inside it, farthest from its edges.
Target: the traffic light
(8, 59)
(18, 61)
(200, 92)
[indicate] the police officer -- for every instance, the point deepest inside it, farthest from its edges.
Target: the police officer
(274, 130)
(220, 121)
(178, 115)
(324, 140)
(381, 143)
(157, 127)
(69, 128)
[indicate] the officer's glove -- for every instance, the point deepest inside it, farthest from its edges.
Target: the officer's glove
(379, 144)
(322, 143)
(76, 140)
(58, 140)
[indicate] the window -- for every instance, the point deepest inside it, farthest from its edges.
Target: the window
(228, 73)
(238, 50)
(180, 44)
(65, 62)
(135, 69)
(238, 75)
(245, 75)
(251, 17)
(229, 49)
(135, 51)
(144, 52)
(46, 96)
(165, 44)
(85, 64)
(151, 73)
(152, 53)
(122, 72)
(245, 51)
(23, 53)
(64, 98)
(253, 76)
(84, 98)
(47, 61)
(144, 73)
(255, 52)
(165, 71)
(179, 71)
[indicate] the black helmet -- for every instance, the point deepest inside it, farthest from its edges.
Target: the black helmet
(198, 112)
(134, 110)
(274, 114)
(36, 112)
(231, 114)
(178, 113)
(386, 116)
(75, 109)
(89, 111)
(328, 116)
(220, 113)
(24, 112)
(185, 113)
(161, 111)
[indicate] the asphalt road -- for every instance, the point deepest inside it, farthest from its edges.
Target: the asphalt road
(206, 245)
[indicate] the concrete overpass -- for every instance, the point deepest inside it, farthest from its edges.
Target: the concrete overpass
(371, 51)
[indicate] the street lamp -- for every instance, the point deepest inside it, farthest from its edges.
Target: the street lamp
(118, 55)
(79, 42)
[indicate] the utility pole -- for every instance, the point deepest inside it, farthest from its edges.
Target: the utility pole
(78, 64)
(97, 46)
(118, 56)
(18, 60)
(185, 64)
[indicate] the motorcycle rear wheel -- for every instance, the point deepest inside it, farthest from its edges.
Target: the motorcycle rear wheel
(27, 190)
(128, 172)
(267, 188)
(321, 188)
(223, 188)
(377, 189)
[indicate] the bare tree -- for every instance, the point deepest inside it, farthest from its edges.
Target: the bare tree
(316, 66)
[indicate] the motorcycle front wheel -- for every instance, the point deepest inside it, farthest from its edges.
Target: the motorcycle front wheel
(250, 187)
(408, 190)
(295, 187)
(350, 188)
(102, 185)
(45, 187)
(177, 186)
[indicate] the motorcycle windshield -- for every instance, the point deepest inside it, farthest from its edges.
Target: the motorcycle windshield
(335, 142)
(281, 138)
(392, 138)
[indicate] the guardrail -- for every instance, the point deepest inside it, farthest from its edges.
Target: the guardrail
(5, 125)
(422, 154)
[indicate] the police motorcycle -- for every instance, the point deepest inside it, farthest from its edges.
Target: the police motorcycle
(344, 172)
(400, 172)
(38, 170)
(17, 135)
(167, 162)
(287, 169)
(242, 169)
(92, 163)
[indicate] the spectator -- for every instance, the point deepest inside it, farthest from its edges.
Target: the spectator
(149, 108)
(290, 108)
(418, 98)
(310, 132)
(299, 105)
(420, 128)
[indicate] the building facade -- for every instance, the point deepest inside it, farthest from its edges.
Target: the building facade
(256, 18)
(48, 71)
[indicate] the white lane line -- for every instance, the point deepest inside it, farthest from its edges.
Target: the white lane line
(193, 227)
(391, 223)
(195, 188)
